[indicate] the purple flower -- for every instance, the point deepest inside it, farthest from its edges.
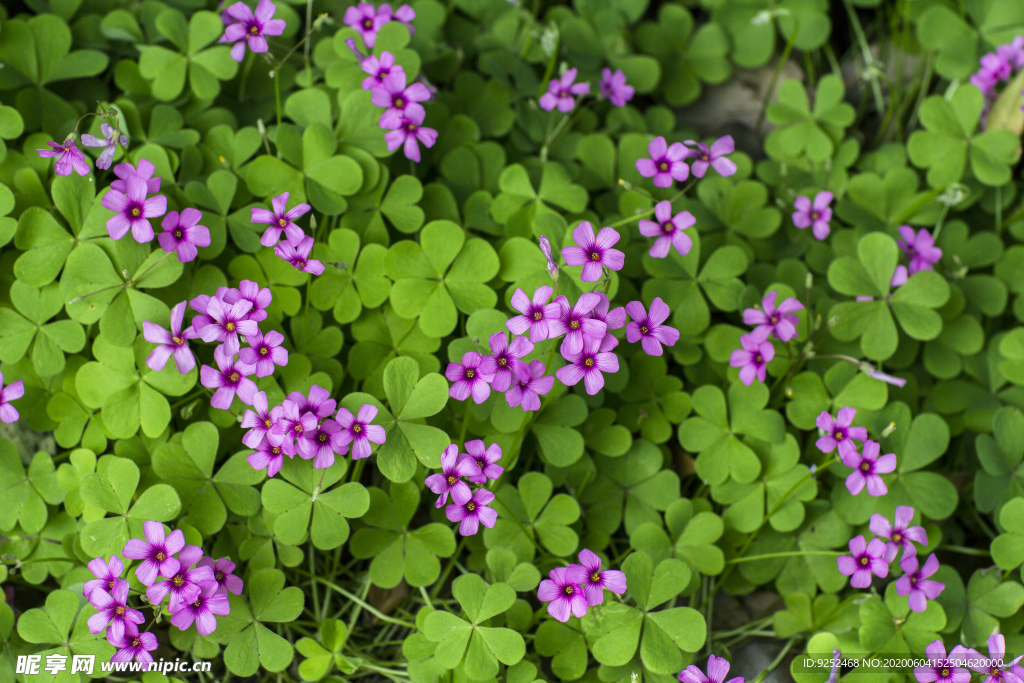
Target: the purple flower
(871, 371)
(133, 645)
(113, 610)
(449, 479)
(319, 401)
(202, 610)
(251, 292)
(223, 574)
(506, 360)
(997, 670)
(170, 343)
(817, 215)
(407, 131)
(899, 534)
(403, 15)
(399, 101)
(838, 432)
(562, 92)
(545, 248)
(780, 321)
(941, 670)
(563, 595)
(269, 456)
(916, 584)
(321, 444)
(299, 256)
(231, 378)
(184, 585)
(359, 432)
(1013, 52)
(181, 234)
(366, 21)
(593, 253)
(11, 392)
(106, 574)
(69, 157)
(589, 576)
(377, 68)
(294, 422)
(108, 142)
(868, 559)
(668, 230)
(588, 364)
(920, 249)
(157, 552)
(755, 355)
(666, 163)
(250, 29)
(469, 378)
(613, 320)
(718, 669)
(526, 392)
(613, 86)
(264, 352)
(713, 157)
(535, 315)
(132, 210)
(483, 461)
(866, 469)
(471, 510)
(648, 329)
(281, 220)
(227, 321)
(576, 324)
(145, 170)
(260, 422)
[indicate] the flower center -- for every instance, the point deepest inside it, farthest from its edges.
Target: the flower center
(119, 611)
(136, 642)
(481, 464)
(276, 450)
(198, 603)
(758, 359)
(452, 479)
(668, 227)
(177, 233)
(470, 374)
(865, 467)
(410, 126)
(503, 362)
(367, 24)
(595, 577)
(704, 157)
(663, 166)
(944, 673)
(177, 340)
(538, 315)
(595, 256)
(219, 576)
(897, 537)
(160, 557)
(254, 30)
(264, 350)
(178, 580)
(643, 329)
(399, 103)
(357, 428)
(589, 362)
(774, 319)
(568, 590)
(282, 222)
(840, 435)
(864, 561)
(298, 429)
(230, 327)
(815, 215)
(574, 325)
(268, 423)
(234, 377)
(136, 212)
(470, 506)
(110, 585)
(67, 149)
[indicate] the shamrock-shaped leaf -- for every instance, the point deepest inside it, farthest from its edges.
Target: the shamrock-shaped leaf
(890, 626)
(352, 277)
(49, 340)
(989, 599)
(529, 508)
(522, 576)
(688, 58)
(322, 657)
(740, 207)
(691, 537)
(842, 386)
(1000, 479)
(803, 130)
(26, 493)
(519, 198)
(560, 444)
(63, 625)
(655, 400)
(204, 66)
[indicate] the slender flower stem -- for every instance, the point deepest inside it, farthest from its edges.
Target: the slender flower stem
(448, 568)
(358, 601)
(791, 553)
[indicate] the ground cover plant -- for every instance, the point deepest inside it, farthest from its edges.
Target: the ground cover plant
(607, 341)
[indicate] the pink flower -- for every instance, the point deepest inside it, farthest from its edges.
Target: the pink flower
(648, 329)
(469, 378)
(615, 319)
(562, 92)
(545, 248)
(780, 321)
(920, 249)
(270, 457)
(525, 392)
(753, 357)
(817, 215)
(145, 170)
(366, 21)
(613, 86)
(170, 343)
(403, 15)
(108, 142)
(223, 574)
(113, 610)
(718, 669)
(535, 315)
(106, 574)
(449, 479)
(132, 210)
(281, 220)
(157, 552)
(264, 352)
(940, 669)
(576, 324)
(593, 253)
(251, 292)
(483, 461)
(998, 670)
(359, 432)
(251, 29)
(294, 422)
(399, 101)
(666, 163)
(838, 432)
(867, 560)
(668, 230)
(587, 365)
(407, 131)
(899, 534)
(11, 392)
(68, 157)
(713, 157)
(563, 595)
(589, 576)
(133, 645)
(916, 583)
(181, 234)
(506, 360)
(232, 378)
(227, 321)
(319, 402)
(260, 422)
(202, 610)
(184, 585)
(298, 256)
(471, 511)
(1013, 52)
(321, 444)
(377, 68)
(866, 469)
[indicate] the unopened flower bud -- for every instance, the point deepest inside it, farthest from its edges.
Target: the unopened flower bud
(888, 430)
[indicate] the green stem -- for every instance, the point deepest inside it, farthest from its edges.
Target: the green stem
(277, 95)
(865, 50)
(964, 550)
(791, 553)
(448, 567)
(783, 58)
(358, 601)
(250, 55)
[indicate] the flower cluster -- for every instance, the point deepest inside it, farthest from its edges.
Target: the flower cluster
(196, 587)
(477, 465)
(562, 91)
(574, 589)
(250, 29)
(998, 66)
(297, 245)
(668, 162)
(838, 433)
(367, 21)
(769, 321)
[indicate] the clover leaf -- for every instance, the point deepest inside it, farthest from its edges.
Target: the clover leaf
(353, 277)
(989, 599)
(205, 66)
(1000, 479)
(654, 400)
(566, 646)
(325, 656)
(560, 444)
(49, 341)
(842, 386)
(63, 626)
(688, 58)
(802, 130)
(528, 511)
(691, 537)
(26, 494)
(381, 335)
(886, 200)
(522, 576)
(1008, 547)
(518, 201)
(890, 626)
(740, 207)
